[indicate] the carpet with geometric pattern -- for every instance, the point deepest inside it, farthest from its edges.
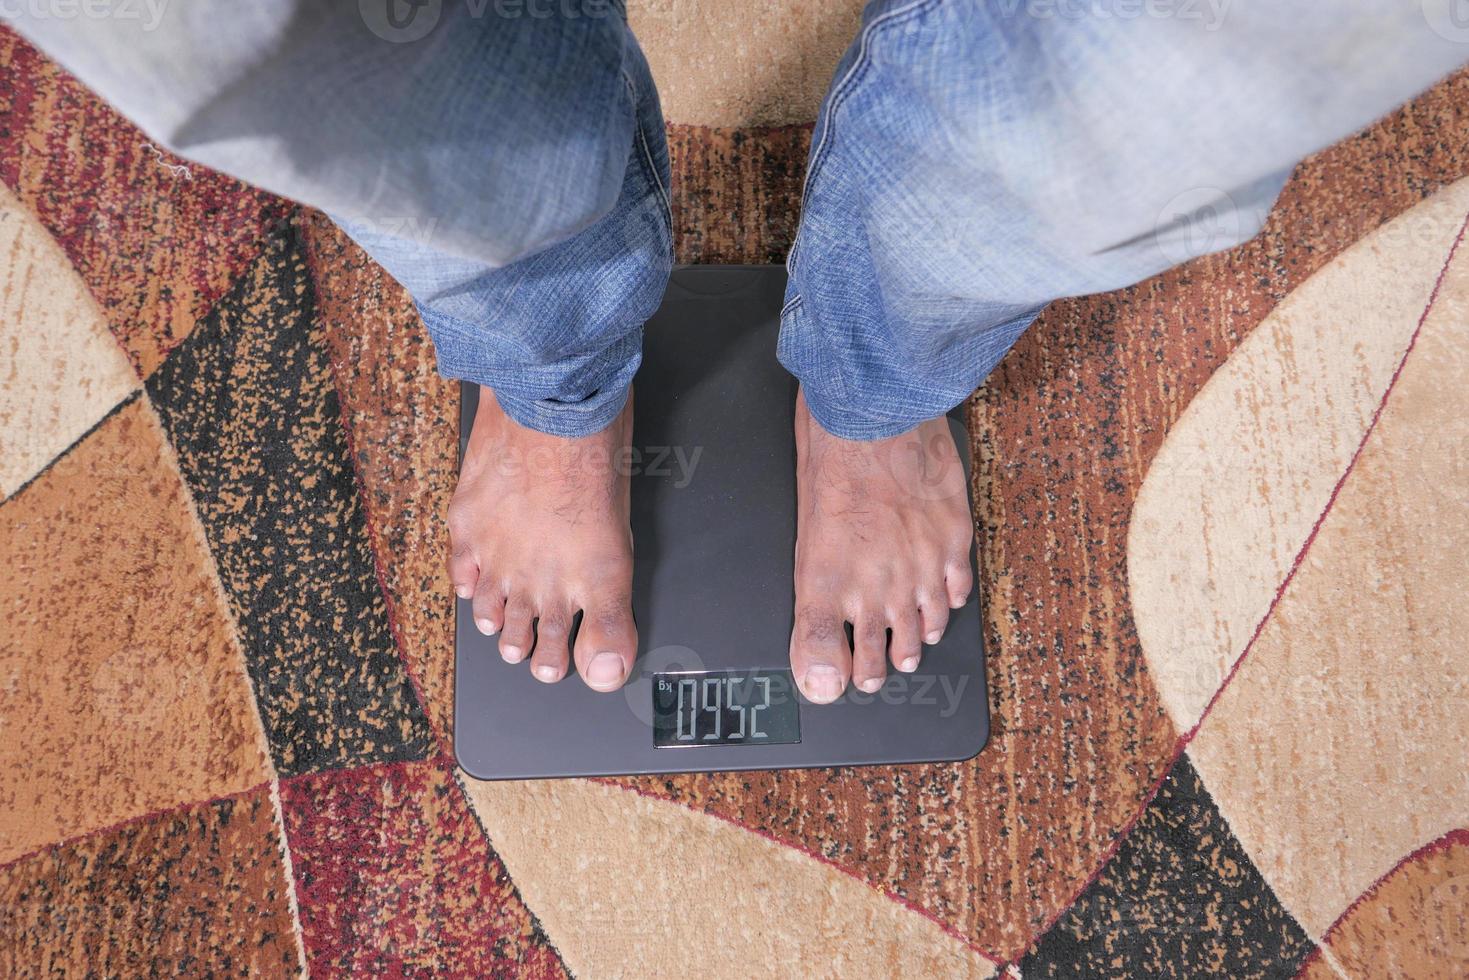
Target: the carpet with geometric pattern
(1223, 520)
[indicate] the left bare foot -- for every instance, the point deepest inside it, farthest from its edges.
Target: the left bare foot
(883, 533)
(538, 532)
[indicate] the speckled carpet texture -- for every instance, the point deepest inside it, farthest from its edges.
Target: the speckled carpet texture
(1224, 521)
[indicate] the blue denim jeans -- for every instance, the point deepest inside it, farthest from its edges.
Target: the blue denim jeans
(972, 161)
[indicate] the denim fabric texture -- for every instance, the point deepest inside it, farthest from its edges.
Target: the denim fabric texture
(558, 333)
(972, 161)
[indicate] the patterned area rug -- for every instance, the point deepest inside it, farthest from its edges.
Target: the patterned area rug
(1223, 518)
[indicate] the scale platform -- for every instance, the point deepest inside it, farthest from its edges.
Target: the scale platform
(714, 530)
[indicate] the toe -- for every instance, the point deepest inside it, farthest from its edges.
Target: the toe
(488, 606)
(820, 659)
(606, 645)
(553, 644)
(906, 645)
(516, 635)
(869, 652)
(463, 572)
(958, 581)
(933, 612)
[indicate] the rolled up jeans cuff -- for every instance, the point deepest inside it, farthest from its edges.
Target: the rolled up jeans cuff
(858, 386)
(568, 419)
(571, 421)
(832, 415)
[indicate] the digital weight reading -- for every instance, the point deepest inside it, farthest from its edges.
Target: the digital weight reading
(694, 709)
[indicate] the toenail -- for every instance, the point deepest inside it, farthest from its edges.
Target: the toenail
(485, 626)
(605, 670)
(871, 684)
(547, 673)
(933, 637)
(909, 665)
(463, 591)
(512, 655)
(822, 683)
(957, 603)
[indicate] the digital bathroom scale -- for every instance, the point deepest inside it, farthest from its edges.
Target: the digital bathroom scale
(714, 526)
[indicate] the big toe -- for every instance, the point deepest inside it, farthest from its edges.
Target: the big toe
(821, 659)
(606, 645)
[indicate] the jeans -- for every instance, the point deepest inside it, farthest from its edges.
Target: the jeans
(973, 160)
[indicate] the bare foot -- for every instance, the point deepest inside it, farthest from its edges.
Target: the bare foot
(882, 542)
(538, 531)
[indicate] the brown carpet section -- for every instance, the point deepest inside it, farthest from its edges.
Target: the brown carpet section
(157, 243)
(124, 689)
(743, 62)
(736, 192)
(394, 877)
(199, 891)
(1412, 923)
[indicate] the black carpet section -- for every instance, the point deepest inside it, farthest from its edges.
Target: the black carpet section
(1179, 899)
(249, 404)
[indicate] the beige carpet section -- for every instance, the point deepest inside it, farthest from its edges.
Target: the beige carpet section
(1339, 745)
(122, 689)
(627, 885)
(743, 62)
(1233, 493)
(60, 369)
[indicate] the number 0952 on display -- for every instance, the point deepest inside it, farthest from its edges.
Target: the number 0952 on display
(725, 707)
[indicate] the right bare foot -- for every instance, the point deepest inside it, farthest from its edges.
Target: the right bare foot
(883, 532)
(538, 532)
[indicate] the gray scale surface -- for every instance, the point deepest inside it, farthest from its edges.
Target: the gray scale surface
(713, 516)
